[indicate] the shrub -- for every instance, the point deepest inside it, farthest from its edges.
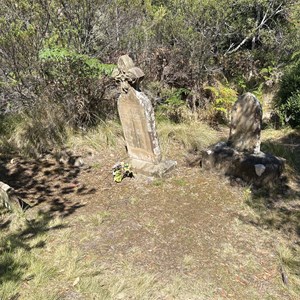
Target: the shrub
(223, 99)
(290, 83)
(291, 110)
(78, 82)
(173, 108)
(288, 97)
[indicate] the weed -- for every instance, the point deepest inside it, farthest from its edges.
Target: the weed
(134, 200)
(289, 263)
(188, 260)
(96, 165)
(99, 218)
(180, 182)
(158, 182)
(247, 193)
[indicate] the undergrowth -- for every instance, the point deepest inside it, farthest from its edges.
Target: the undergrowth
(30, 134)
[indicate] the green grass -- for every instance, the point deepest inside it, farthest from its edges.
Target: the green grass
(289, 261)
(100, 217)
(21, 245)
(33, 135)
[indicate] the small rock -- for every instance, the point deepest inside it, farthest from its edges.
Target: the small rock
(78, 162)
(259, 169)
(76, 281)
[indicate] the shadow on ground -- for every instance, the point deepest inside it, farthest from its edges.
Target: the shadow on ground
(45, 180)
(52, 189)
(279, 208)
(16, 245)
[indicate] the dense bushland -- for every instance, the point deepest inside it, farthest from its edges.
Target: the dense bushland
(57, 56)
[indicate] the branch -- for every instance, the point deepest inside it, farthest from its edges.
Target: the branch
(264, 20)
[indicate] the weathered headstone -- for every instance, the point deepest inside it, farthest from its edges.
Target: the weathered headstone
(246, 121)
(9, 199)
(138, 121)
(241, 156)
(5, 191)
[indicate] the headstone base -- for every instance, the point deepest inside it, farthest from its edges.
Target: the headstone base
(259, 169)
(151, 169)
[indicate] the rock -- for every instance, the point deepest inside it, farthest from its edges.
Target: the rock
(10, 200)
(259, 169)
(78, 162)
(5, 193)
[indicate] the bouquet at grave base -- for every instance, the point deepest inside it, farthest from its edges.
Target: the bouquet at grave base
(121, 170)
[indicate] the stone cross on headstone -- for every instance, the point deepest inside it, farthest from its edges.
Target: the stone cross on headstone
(138, 121)
(246, 121)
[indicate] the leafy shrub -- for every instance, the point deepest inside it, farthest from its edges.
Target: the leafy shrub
(78, 82)
(288, 97)
(290, 83)
(291, 110)
(223, 100)
(174, 107)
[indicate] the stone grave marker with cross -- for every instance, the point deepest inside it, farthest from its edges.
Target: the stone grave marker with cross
(138, 122)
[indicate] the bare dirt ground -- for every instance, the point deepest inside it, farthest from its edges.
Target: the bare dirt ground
(192, 230)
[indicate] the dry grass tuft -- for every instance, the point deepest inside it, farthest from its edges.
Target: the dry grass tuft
(194, 136)
(31, 135)
(289, 262)
(108, 134)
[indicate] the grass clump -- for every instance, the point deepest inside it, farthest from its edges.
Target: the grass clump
(192, 136)
(289, 262)
(106, 135)
(284, 143)
(21, 244)
(31, 134)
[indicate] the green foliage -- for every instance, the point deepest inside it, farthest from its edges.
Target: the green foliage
(224, 98)
(175, 97)
(290, 83)
(72, 78)
(291, 110)
(288, 97)
(174, 107)
(83, 64)
(56, 49)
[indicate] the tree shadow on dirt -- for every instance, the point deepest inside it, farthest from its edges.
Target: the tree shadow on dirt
(279, 207)
(50, 184)
(47, 180)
